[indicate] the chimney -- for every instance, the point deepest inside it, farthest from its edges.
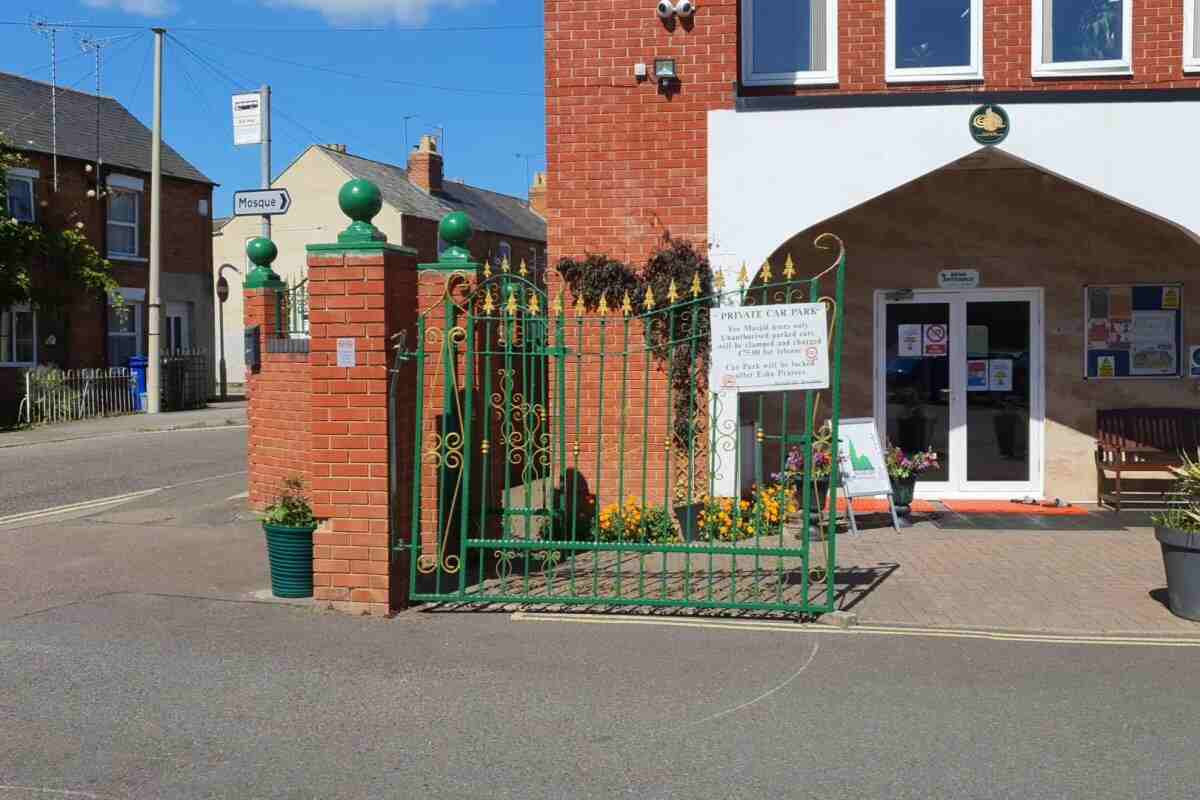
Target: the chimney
(537, 194)
(337, 148)
(425, 165)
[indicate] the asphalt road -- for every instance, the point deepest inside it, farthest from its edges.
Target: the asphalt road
(138, 696)
(38, 476)
(136, 662)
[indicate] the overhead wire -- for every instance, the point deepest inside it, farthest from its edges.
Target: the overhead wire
(325, 29)
(314, 138)
(375, 78)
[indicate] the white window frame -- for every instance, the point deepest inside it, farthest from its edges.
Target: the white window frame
(825, 77)
(1191, 35)
(27, 309)
(967, 72)
(135, 303)
(29, 176)
(1121, 66)
(136, 187)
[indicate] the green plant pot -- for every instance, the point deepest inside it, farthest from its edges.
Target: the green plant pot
(290, 551)
(902, 494)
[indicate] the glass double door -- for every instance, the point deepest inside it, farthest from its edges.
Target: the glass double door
(960, 373)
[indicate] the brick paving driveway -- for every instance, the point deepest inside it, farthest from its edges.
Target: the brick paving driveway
(1094, 581)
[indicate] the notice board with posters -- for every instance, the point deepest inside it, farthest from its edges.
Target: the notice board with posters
(1133, 331)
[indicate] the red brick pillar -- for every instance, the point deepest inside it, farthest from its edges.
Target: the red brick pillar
(277, 444)
(362, 290)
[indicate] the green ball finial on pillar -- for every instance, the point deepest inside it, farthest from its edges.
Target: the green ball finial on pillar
(455, 230)
(361, 201)
(262, 253)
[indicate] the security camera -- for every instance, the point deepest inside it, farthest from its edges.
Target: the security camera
(666, 9)
(685, 8)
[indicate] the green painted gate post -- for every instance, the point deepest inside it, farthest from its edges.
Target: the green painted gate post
(454, 493)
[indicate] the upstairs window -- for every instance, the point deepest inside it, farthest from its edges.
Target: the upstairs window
(19, 185)
(934, 40)
(789, 42)
(124, 210)
(1082, 37)
(1191, 35)
(123, 222)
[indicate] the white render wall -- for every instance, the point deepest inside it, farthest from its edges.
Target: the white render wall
(772, 174)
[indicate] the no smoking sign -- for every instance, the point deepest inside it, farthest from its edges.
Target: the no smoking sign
(933, 340)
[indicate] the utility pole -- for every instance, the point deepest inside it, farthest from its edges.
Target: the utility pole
(154, 302)
(265, 92)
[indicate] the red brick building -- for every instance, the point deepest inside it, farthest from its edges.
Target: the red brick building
(96, 178)
(1044, 149)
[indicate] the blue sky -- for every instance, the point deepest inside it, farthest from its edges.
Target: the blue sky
(483, 131)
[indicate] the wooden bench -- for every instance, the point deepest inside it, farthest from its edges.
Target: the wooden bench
(1141, 440)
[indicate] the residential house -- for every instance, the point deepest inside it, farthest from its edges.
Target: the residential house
(1013, 177)
(415, 198)
(90, 169)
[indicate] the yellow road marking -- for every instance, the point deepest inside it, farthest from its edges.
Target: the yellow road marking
(875, 630)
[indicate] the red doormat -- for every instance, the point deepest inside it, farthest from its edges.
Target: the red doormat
(868, 505)
(1008, 507)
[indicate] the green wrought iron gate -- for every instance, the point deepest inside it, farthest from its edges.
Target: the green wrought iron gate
(568, 453)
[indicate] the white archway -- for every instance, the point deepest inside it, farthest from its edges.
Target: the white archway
(774, 173)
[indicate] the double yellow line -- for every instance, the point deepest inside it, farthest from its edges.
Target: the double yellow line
(868, 630)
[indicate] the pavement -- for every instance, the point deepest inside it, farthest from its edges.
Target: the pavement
(1108, 580)
(218, 414)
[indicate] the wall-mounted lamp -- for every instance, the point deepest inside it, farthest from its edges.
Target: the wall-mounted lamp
(664, 73)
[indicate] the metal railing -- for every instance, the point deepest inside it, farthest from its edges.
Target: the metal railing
(291, 310)
(57, 395)
(184, 380)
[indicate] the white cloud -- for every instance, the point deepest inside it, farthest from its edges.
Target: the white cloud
(148, 8)
(405, 12)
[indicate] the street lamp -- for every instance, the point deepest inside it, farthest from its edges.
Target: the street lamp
(223, 295)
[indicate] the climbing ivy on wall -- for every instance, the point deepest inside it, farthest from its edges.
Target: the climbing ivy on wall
(680, 347)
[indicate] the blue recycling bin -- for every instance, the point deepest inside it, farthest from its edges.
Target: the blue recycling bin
(137, 365)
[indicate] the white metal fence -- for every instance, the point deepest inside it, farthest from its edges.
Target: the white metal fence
(57, 395)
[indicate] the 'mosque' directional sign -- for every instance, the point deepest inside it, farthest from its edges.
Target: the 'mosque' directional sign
(261, 202)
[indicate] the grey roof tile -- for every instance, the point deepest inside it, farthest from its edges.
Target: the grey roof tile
(489, 211)
(124, 141)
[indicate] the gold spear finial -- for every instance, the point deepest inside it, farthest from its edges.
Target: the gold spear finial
(556, 306)
(719, 281)
(695, 284)
(504, 264)
(766, 271)
(743, 276)
(579, 307)
(648, 299)
(511, 306)
(487, 268)
(672, 294)
(602, 309)
(535, 305)
(523, 271)
(626, 306)
(789, 268)
(488, 305)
